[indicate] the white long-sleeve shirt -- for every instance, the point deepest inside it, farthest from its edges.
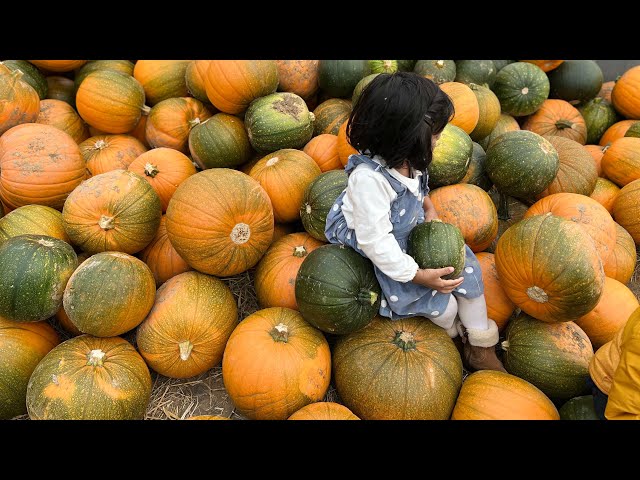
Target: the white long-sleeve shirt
(366, 206)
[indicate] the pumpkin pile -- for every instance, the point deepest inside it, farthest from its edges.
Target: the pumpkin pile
(130, 191)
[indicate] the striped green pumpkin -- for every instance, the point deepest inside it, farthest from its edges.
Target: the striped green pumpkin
(122, 66)
(330, 115)
(552, 356)
(361, 86)
(33, 275)
(277, 121)
(319, 197)
(383, 66)
(338, 78)
(480, 72)
(576, 80)
(451, 157)
(439, 71)
(35, 220)
(337, 290)
(521, 88)
(32, 75)
(220, 142)
(476, 173)
(437, 244)
(599, 115)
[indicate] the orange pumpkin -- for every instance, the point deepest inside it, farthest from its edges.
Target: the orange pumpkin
(188, 327)
(324, 411)
(616, 305)
(605, 193)
(324, 151)
(625, 95)
(231, 233)
(58, 65)
(275, 275)
(626, 209)
(586, 212)
(330, 115)
(200, 74)
(545, 65)
(165, 169)
(615, 131)
(19, 102)
(38, 164)
(111, 101)
(469, 208)
(104, 153)
(170, 121)
(491, 395)
(233, 84)
(499, 305)
(162, 258)
(577, 172)
(161, 79)
(114, 211)
(284, 175)
(467, 110)
(557, 117)
(298, 76)
(344, 147)
(194, 79)
(488, 111)
(605, 91)
(621, 161)
(140, 130)
(597, 152)
(275, 363)
(61, 115)
(622, 261)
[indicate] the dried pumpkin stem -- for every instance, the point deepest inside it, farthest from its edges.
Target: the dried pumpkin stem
(367, 297)
(405, 340)
(280, 333)
(299, 251)
(95, 358)
(562, 124)
(145, 110)
(185, 350)
(106, 223)
(151, 170)
(505, 345)
(194, 122)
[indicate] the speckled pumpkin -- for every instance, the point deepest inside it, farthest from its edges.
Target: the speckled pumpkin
(161, 79)
(221, 141)
(162, 258)
(626, 209)
(621, 263)
(605, 193)
(467, 110)
(61, 115)
(104, 153)
(621, 161)
(188, 327)
(19, 101)
(274, 364)
(89, 378)
(33, 220)
(298, 76)
(557, 117)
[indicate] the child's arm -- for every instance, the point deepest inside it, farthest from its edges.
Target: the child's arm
(429, 210)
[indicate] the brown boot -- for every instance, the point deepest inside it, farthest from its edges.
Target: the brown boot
(480, 351)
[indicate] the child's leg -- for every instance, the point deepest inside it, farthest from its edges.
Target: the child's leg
(447, 319)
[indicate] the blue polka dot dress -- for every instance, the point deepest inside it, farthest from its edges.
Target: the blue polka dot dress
(402, 300)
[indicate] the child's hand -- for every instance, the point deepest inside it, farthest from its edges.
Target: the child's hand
(430, 278)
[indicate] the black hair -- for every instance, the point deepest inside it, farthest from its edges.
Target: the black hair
(395, 117)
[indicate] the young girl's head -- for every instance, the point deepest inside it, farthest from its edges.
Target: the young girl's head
(398, 116)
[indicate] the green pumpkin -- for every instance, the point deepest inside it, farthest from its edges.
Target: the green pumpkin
(406, 65)
(480, 72)
(34, 220)
(34, 271)
(221, 141)
(440, 71)
(579, 408)
(451, 157)
(61, 88)
(31, 75)
(277, 121)
(576, 81)
(599, 115)
(521, 163)
(338, 78)
(383, 66)
(634, 130)
(337, 290)
(319, 197)
(406, 369)
(123, 66)
(361, 86)
(437, 244)
(521, 88)
(500, 64)
(506, 123)
(476, 173)
(552, 356)
(330, 115)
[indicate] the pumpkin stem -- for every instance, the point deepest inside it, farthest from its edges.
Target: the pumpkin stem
(240, 233)
(537, 294)
(503, 208)
(151, 170)
(100, 144)
(505, 345)
(272, 161)
(16, 75)
(307, 207)
(606, 147)
(312, 117)
(106, 223)
(440, 63)
(299, 251)
(95, 358)
(367, 297)
(280, 333)
(194, 122)
(145, 110)
(405, 340)
(562, 124)
(185, 350)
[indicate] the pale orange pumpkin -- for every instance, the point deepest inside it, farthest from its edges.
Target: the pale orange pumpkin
(324, 151)
(38, 164)
(621, 161)
(165, 169)
(19, 102)
(61, 115)
(616, 305)
(161, 258)
(622, 261)
(284, 175)
(557, 117)
(275, 275)
(499, 305)
(104, 153)
(467, 111)
(605, 193)
(275, 363)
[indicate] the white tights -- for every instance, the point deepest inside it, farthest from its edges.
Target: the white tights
(472, 312)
